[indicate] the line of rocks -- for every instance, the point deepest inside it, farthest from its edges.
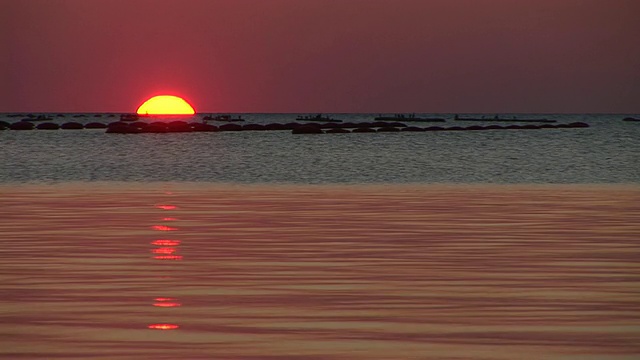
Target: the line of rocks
(139, 127)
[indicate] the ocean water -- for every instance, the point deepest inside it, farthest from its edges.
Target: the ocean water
(606, 152)
(505, 244)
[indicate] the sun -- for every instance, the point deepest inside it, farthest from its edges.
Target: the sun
(166, 105)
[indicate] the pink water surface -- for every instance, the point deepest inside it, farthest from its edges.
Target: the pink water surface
(194, 271)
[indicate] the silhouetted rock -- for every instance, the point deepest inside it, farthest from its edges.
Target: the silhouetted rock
(454, 128)
(475, 127)
(578, 125)
(230, 127)
(630, 119)
(494, 127)
(412, 128)
(292, 125)
(388, 129)
(363, 130)
(204, 127)
(434, 128)
(5, 124)
(397, 124)
(140, 124)
(338, 131)
(48, 126)
(307, 129)
(117, 123)
(156, 128)
(179, 126)
(380, 124)
(22, 125)
(122, 128)
(330, 125)
(95, 125)
(253, 127)
(72, 126)
(275, 126)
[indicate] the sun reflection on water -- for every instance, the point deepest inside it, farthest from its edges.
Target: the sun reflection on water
(164, 228)
(166, 207)
(165, 249)
(163, 326)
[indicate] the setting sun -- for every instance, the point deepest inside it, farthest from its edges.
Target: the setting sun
(166, 105)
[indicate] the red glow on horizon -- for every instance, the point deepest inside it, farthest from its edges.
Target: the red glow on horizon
(166, 242)
(163, 326)
(164, 228)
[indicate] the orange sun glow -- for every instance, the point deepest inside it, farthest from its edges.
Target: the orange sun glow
(166, 105)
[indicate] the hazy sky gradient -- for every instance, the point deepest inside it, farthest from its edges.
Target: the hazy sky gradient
(322, 55)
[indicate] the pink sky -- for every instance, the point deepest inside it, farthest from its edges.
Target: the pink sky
(322, 55)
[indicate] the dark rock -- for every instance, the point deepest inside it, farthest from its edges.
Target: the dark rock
(275, 126)
(475, 127)
(230, 127)
(338, 131)
(179, 126)
(253, 127)
(363, 130)
(307, 129)
(95, 125)
(397, 124)
(72, 126)
(22, 125)
(48, 126)
(204, 127)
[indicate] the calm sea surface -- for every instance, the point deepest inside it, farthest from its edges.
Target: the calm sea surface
(506, 244)
(607, 152)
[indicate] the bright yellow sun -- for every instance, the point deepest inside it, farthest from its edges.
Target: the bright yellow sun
(166, 105)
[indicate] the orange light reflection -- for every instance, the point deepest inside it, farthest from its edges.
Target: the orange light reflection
(164, 299)
(163, 326)
(166, 242)
(164, 228)
(168, 257)
(164, 250)
(166, 207)
(169, 219)
(167, 304)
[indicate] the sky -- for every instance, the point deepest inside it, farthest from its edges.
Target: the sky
(425, 56)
